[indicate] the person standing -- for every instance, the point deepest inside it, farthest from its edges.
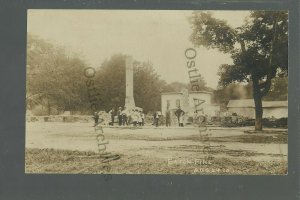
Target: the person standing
(140, 118)
(124, 117)
(143, 118)
(129, 117)
(112, 116)
(120, 116)
(199, 118)
(96, 118)
(179, 114)
(181, 119)
(135, 117)
(168, 118)
(156, 118)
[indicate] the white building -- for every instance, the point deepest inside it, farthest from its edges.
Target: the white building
(188, 101)
(246, 108)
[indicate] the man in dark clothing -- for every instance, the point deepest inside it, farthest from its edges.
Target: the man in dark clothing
(124, 117)
(120, 116)
(112, 115)
(156, 119)
(96, 118)
(179, 114)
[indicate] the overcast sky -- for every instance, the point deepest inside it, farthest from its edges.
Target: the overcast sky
(160, 37)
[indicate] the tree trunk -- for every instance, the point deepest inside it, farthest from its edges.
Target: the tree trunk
(258, 105)
(258, 113)
(48, 107)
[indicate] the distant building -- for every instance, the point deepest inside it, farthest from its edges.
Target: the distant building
(187, 100)
(246, 108)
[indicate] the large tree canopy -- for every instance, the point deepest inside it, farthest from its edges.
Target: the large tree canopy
(53, 77)
(259, 49)
(233, 91)
(57, 81)
(178, 86)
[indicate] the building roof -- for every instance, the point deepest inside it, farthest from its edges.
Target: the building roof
(190, 92)
(249, 103)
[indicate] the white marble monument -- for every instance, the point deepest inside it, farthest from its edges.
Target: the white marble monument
(129, 99)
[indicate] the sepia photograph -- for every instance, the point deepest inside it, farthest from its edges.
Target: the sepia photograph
(187, 92)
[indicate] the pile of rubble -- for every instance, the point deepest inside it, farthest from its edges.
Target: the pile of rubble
(104, 117)
(239, 121)
(60, 118)
(68, 117)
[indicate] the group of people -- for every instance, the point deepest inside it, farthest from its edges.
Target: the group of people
(136, 117)
(179, 114)
(127, 117)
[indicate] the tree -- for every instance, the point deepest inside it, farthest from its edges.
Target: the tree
(175, 87)
(110, 81)
(178, 86)
(278, 90)
(259, 49)
(232, 91)
(201, 84)
(54, 79)
(147, 86)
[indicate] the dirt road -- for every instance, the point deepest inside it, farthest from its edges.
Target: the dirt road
(171, 150)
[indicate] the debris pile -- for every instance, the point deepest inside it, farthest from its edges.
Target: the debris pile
(60, 118)
(239, 121)
(105, 117)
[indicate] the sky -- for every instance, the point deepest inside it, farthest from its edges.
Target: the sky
(159, 36)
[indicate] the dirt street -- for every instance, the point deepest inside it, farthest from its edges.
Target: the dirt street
(72, 148)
